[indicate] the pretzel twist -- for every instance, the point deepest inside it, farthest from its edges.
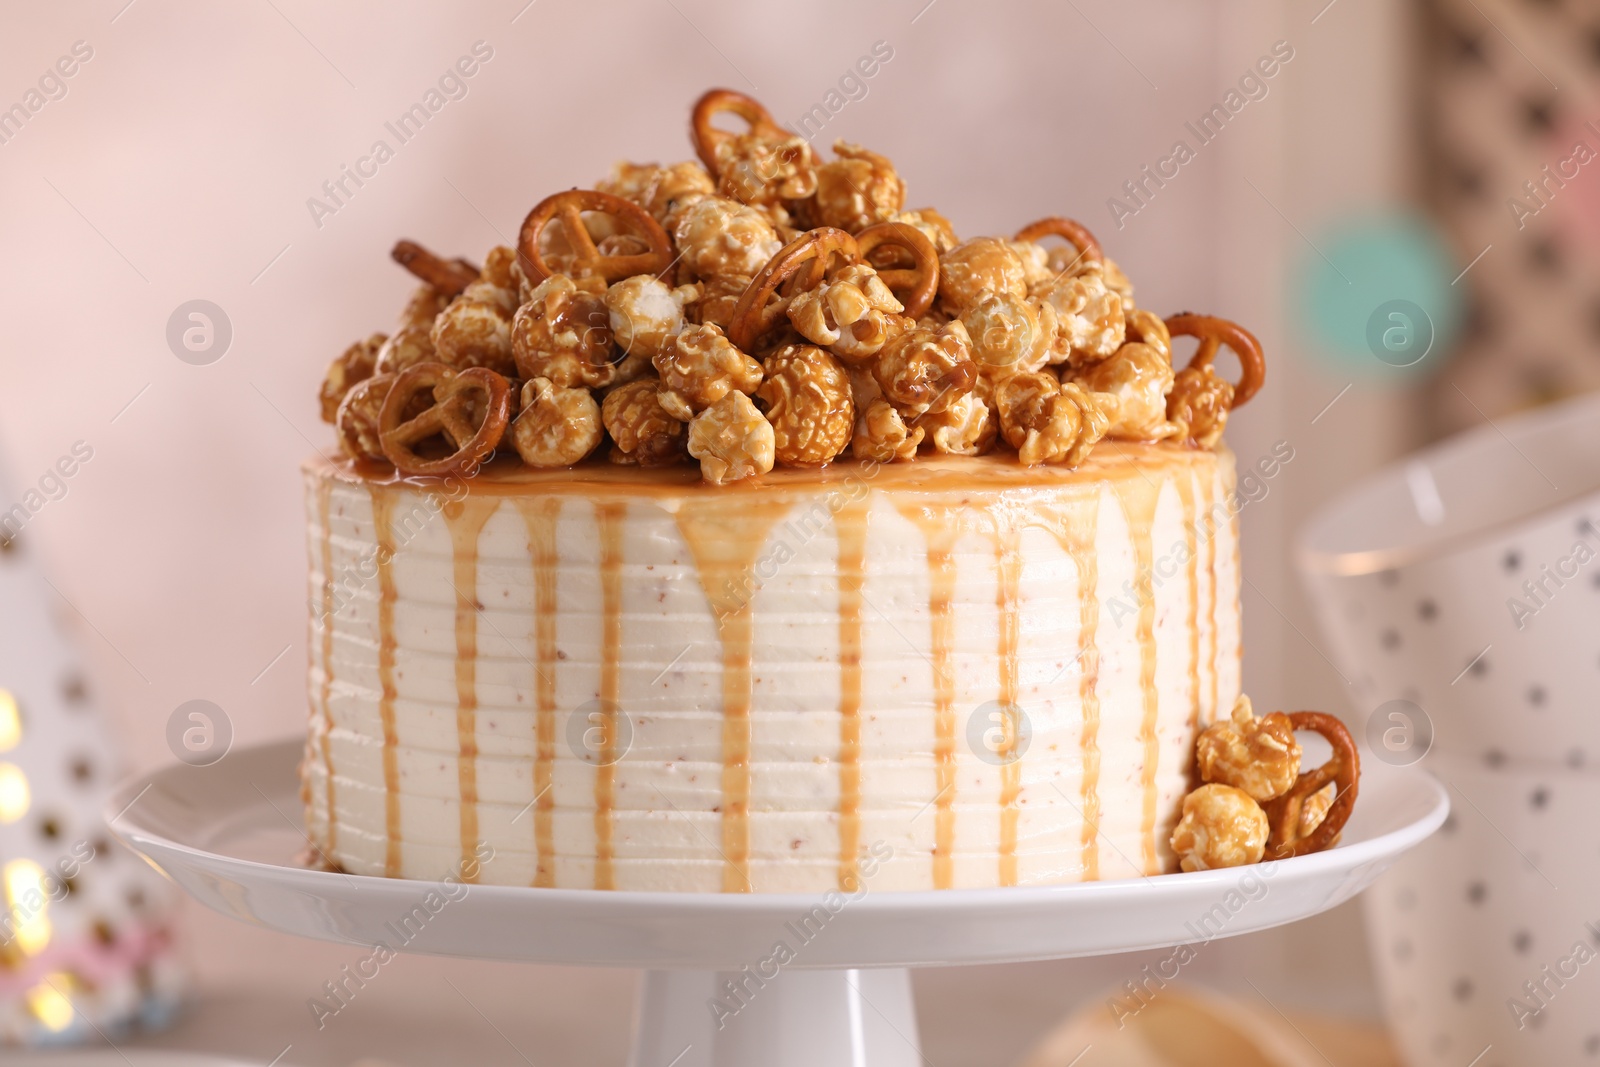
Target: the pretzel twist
(1213, 333)
(801, 264)
(449, 276)
(1072, 231)
(470, 411)
(708, 139)
(916, 285)
(1343, 769)
(567, 209)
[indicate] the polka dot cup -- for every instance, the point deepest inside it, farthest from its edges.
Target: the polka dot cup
(1487, 935)
(1466, 582)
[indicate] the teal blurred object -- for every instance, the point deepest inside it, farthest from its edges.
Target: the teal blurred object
(1375, 297)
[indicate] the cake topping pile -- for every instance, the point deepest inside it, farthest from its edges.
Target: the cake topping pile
(1256, 802)
(762, 307)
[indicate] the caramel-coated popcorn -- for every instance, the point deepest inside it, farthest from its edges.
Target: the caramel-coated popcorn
(806, 397)
(642, 432)
(1198, 405)
(848, 310)
(1148, 328)
(1049, 421)
(856, 190)
(564, 333)
(700, 367)
(981, 265)
(718, 236)
(1140, 377)
(718, 297)
(967, 427)
(645, 313)
(882, 435)
(1221, 827)
(934, 226)
(926, 370)
(1010, 333)
(1091, 323)
(352, 366)
(558, 426)
(475, 331)
(732, 440)
(357, 418)
(764, 170)
(407, 347)
(1259, 756)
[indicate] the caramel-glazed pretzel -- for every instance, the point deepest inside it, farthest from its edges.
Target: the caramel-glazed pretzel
(1213, 333)
(1072, 231)
(707, 138)
(449, 276)
(1343, 769)
(470, 410)
(914, 285)
(567, 208)
(801, 264)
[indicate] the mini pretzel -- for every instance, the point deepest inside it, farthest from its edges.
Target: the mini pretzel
(449, 276)
(567, 208)
(916, 285)
(1343, 769)
(470, 410)
(799, 265)
(708, 139)
(1072, 231)
(1214, 332)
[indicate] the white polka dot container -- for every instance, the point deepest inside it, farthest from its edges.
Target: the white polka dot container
(1487, 935)
(1460, 592)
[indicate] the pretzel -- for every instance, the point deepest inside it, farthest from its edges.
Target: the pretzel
(470, 410)
(916, 285)
(801, 264)
(1072, 231)
(1214, 332)
(708, 139)
(568, 208)
(449, 276)
(1343, 769)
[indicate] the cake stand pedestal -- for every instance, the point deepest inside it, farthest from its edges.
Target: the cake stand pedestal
(765, 980)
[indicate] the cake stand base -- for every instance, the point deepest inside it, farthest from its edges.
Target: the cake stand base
(842, 1018)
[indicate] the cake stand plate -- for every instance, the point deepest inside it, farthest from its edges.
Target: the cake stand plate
(780, 980)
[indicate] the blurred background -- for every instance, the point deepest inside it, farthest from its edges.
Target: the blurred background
(186, 156)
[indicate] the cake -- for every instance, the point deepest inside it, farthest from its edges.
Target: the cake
(947, 601)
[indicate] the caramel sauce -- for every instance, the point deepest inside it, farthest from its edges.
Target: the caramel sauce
(1139, 508)
(610, 517)
(466, 519)
(1186, 497)
(1207, 500)
(851, 526)
(325, 513)
(726, 534)
(539, 514)
(383, 534)
(1008, 565)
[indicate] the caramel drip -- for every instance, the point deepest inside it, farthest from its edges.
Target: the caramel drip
(1185, 485)
(466, 520)
(611, 518)
(727, 537)
(383, 534)
(851, 526)
(539, 515)
(325, 513)
(1008, 566)
(1139, 506)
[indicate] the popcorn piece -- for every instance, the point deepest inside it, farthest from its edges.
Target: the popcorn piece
(848, 309)
(1035, 258)
(1257, 756)
(806, 397)
(717, 236)
(1092, 324)
(1148, 328)
(1198, 405)
(409, 346)
(1010, 334)
(764, 169)
(354, 365)
(719, 295)
(564, 334)
(732, 440)
(475, 330)
(674, 189)
(968, 427)
(925, 370)
(882, 435)
(631, 181)
(935, 226)
(856, 190)
(1221, 827)
(700, 367)
(972, 268)
(424, 306)
(357, 418)
(499, 272)
(1140, 377)
(641, 430)
(558, 426)
(1049, 421)
(645, 314)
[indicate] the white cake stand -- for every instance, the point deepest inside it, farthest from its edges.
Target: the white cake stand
(837, 993)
